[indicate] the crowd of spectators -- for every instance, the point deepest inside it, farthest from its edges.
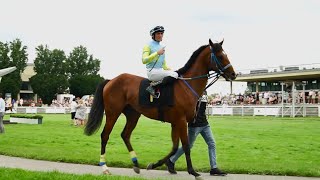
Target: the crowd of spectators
(254, 98)
(265, 98)
(67, 102)
(12, 104)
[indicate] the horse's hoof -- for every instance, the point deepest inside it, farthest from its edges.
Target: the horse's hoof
(136, 169)
(150, 166)
(199, 178)
(107, 172)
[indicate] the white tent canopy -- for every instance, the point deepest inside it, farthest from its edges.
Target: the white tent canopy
(6, 71)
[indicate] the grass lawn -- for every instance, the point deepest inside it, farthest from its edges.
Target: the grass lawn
(8, 173)
(254, 145)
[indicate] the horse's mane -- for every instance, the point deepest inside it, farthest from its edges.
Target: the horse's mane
(216, 46)
(192, 59)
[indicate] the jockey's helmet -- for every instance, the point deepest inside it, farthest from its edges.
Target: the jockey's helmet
(156, 29)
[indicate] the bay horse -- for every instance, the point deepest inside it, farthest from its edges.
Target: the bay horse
(120, 95)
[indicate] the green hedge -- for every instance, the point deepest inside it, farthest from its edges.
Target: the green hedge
(26, 116)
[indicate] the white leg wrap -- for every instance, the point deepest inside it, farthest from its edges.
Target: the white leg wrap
(105, 167)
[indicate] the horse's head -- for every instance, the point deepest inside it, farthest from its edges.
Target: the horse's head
(220, 62)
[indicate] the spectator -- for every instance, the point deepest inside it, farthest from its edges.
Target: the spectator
(265, 98)
(2, 111)
(21, 102)
(73, 111)
(312, 97)
(257, 95)
(40, 102)
(80, 113)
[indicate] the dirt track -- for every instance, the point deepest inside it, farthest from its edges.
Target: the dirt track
(38, 165)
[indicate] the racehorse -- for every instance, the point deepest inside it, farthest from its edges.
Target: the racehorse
(120, 95)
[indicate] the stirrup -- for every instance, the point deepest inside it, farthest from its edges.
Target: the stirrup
(156, 95)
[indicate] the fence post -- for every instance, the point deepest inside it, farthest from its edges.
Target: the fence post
(242, 111)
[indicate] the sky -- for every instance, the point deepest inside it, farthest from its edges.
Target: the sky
(257, 34)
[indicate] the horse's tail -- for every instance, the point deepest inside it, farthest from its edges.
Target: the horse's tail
(96, 112)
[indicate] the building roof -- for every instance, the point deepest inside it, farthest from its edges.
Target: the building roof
(28, 72)
(295, 73)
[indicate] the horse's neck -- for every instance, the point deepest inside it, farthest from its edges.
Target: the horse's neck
(199, 68)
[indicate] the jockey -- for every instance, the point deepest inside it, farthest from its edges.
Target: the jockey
(154, 58)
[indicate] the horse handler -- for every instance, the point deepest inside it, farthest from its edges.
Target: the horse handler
(199, 126)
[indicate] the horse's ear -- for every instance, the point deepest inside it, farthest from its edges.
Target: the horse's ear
(221, 42)
(210, 42)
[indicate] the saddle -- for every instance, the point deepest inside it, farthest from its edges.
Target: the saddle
(164, 92)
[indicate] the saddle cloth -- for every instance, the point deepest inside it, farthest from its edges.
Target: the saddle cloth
(166, 97)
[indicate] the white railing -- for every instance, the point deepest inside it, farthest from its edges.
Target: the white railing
(274, 110)
(45, 110)
(288, 110)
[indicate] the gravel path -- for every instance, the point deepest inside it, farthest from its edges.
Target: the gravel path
(39, 165)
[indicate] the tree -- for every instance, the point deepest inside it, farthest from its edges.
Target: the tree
(12, 54)
(50, 62)
(53, 69)
(81, 85)
(51, 78)
(47, 86)
(81, 63)
(10, 85)
(4, 55)
(18, 55)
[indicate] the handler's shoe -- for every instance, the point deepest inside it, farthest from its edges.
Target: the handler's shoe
(217, 172)
(170, 167)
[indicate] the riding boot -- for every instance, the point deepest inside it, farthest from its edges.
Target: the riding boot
(151, 90)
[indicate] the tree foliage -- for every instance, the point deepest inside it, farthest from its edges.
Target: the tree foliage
(54, 70)
(81, 85)
(12, 54)
(47, 86)
(50, 62)
(51, 77)
(9, 85)
(81, 63)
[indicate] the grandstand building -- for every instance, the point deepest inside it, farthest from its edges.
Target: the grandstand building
(280, 91)
(302, 77)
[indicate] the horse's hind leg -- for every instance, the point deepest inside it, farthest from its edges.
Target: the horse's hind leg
(132, 119)
(110, 121)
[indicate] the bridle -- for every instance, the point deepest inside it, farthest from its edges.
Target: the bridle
(220, 71)
(218, 63)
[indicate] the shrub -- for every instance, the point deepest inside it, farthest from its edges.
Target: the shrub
(26, 116)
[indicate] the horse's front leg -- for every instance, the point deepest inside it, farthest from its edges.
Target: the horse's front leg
(186, 149)
(132, 120)
(175, 145)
